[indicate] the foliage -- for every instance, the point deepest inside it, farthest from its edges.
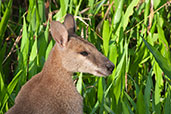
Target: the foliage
(135, 37)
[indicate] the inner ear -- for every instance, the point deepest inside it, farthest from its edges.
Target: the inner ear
(69, 23)
(59, 33)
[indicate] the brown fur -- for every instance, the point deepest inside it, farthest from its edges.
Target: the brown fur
(52, 90)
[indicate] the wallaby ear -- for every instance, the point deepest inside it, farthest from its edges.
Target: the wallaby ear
(59, 33)
(69, 23)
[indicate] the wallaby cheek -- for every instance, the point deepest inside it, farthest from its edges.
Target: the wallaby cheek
(87, 67)
(71, 64)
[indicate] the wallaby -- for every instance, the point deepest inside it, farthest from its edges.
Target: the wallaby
(52, 91)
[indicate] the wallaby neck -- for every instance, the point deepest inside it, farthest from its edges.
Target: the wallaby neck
(53, 66)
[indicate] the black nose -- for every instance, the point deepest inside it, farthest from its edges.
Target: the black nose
(110, 66)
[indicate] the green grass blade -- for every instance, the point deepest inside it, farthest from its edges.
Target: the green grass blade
(1, 88)
(2, 82)
(119, 82)
(165, 51)
(140, 103)
(90, 5)
(167, 103)
(129, 12)
(158, 75)
(162, 36)
(156, 3)
(147, 92)
(50, 46)
(2, 53)
(33, 20)
(33, 59)
(4, 20)
(41, 10)
(10, 88)
(118, 12)
(100, 94)
(146, 11)
(64, 6)
(77, 8)
(130, 100)
(95, 108)
(162, 61)
(23, 54)
(128, 107)
(157, 99)
(46, 33)
(24, 42)
(99, 6)
(80, 83)
(106, 36)
(125, 108)
(108, 109)
(42, 46)
(113, 54)
(63, 9)
(30, 10)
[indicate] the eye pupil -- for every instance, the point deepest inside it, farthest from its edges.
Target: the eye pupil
(84, 53)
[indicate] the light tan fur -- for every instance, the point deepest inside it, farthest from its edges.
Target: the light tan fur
(52, 91)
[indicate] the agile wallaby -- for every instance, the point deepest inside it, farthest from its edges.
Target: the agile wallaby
(52, 91)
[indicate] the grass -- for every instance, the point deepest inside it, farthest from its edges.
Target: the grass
(133, 34)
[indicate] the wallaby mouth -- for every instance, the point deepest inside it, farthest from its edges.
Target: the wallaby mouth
(107, 70)
(99, 73)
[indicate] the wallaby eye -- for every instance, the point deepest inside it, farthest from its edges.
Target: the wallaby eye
(84, 53)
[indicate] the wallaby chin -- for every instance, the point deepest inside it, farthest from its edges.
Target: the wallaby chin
(52, 91)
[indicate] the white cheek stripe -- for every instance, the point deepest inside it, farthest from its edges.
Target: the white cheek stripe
(90, 66)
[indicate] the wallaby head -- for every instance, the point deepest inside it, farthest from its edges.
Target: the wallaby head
(77, 54)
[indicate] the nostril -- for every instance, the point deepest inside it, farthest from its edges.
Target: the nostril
(110, 67)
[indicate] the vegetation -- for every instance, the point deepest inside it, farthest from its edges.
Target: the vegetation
(134, 34)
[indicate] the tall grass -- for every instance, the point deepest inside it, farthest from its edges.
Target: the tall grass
(135, 35)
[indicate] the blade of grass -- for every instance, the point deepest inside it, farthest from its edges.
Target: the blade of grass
(42, 46)
(157, 99)
(63, 9)
(165, 46)
(130, 100)
(128, 105)
(50, 46)
(95, 108)
(147, 91)
(125, 109)
(2, 53)
(140, 103)
(33, 59)
(119, 81)
(106, 36)
(99, 6)
(80, 83)
(10, 88)
(23, 55)
(77, 8)
(167, 103)
(146, 12)
(129, 12)
(4, 20)
(41, 10)
(1, 88)
(108, 109)
(100, 93)
(118, 12)
(162, 61)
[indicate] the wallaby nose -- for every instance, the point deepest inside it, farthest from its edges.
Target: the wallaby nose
(110, 66)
